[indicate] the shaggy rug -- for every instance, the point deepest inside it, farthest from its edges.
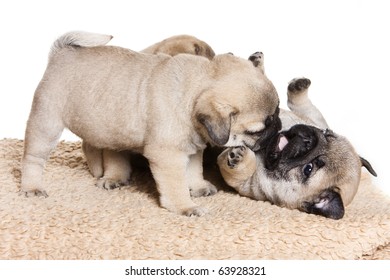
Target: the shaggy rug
(80, 221)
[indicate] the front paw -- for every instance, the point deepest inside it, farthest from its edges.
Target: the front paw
(196, 211)
(298, 85)
(34, 192)
(235, 156)
(186, 207)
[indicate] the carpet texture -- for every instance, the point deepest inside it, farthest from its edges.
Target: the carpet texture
(80, 221)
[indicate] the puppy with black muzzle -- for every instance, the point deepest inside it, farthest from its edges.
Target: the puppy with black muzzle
(306, 166)
(166, 108)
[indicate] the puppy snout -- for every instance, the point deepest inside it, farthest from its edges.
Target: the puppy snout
(272, 127)
(303, 139)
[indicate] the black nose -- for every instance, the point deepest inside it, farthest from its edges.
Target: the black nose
(302, 139)
(272, 126)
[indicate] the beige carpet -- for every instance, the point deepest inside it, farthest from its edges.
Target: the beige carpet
(80, 221)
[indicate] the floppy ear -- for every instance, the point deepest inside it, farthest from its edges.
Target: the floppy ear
(258, 60)
(329, 204)
(218, 128)
(368, 166)
(216, 118)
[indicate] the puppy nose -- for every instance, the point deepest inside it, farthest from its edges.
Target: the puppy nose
(308, 142)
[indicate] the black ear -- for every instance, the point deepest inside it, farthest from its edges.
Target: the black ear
(328, 204)
(218, 128)
(368, 166)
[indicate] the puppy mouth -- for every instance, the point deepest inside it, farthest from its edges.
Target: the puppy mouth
(273, 151)
(278, 144)
(281, 142)
(290, 146)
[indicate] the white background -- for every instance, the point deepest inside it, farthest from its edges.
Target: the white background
(342, 46)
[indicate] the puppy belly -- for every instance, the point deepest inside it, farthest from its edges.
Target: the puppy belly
(114, 140)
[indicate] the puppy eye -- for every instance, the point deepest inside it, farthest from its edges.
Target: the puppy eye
(307, 169)
(253, 133)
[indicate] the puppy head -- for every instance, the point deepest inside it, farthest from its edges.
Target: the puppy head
(240, 106)
(319, 170)
(184, 44)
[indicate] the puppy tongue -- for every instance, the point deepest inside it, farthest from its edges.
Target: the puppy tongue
(282, 142)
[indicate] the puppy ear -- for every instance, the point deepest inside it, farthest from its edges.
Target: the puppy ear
(218, 128)
(258, 60)
(368, 166)
(328, 204)
(215, 116)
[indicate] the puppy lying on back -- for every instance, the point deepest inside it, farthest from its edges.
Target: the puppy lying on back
(306, 166)
(166, 108)
(113, 168)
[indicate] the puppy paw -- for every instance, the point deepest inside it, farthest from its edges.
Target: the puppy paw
(298, 85)
(182, 207)
(195, 212)
(257, 59)
(34, 192)
(109, 184)
(235, 156)
(203, 189)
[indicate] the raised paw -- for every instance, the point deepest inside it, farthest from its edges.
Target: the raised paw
(205, 189)
(235, 156)
(109, 184)
(298, 84)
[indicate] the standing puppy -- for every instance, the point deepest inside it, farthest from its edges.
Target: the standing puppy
(167, 108)
(113, 168)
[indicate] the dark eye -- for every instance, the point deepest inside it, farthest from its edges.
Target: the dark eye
(307, 169)
(253, 133)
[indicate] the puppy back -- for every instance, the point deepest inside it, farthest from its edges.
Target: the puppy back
(80, 39)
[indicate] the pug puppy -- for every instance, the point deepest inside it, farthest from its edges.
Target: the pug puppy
(181, 44)
(306, 166)
(113, 168)
(166, 108)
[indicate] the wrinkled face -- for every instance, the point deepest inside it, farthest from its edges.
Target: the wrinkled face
(241, 107)
(247, 122)
(313, 170)
(247, 130)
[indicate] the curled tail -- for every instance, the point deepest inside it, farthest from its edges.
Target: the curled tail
(81, 39)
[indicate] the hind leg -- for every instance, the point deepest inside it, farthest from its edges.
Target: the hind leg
(301, 105)
(117, 169)
(94, 157)
(42, 134)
